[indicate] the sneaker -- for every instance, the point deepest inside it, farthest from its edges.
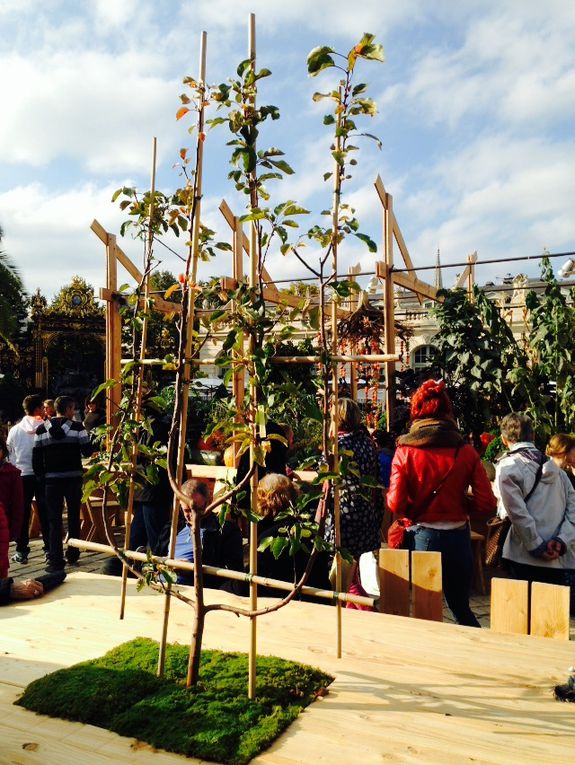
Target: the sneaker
(20, 557)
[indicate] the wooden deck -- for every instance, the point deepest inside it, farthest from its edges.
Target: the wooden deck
(406, 691)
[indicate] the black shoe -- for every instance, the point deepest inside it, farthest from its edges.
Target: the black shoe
(73, 560)
(54, 568)
(49, 581)
(20, 557)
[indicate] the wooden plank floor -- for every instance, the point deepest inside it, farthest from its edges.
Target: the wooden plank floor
(91, 562)
(406, 691)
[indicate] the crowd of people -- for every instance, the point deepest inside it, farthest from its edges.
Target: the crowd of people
(431, 475)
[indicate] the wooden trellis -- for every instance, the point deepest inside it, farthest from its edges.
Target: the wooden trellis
(248, 243)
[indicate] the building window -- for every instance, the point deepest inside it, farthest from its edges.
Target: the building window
(421, 357)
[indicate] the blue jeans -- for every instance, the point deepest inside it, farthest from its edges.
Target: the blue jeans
(456, 566)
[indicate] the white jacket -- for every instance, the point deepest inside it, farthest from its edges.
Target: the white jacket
(549, 512)
(20, 443)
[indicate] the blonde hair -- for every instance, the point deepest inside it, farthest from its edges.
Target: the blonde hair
(275, 493)
(349, 415)
(559, 445)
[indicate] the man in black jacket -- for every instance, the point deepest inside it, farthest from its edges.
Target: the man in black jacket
(59, 445)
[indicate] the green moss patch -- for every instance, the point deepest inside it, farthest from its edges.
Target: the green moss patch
(215, 721)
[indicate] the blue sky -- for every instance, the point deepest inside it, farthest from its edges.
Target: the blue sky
(476, 111)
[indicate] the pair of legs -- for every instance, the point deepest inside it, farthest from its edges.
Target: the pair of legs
(58, 490)
(456, 566)
(32, 488)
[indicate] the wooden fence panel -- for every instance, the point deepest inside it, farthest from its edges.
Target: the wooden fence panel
(549, 611)
(509, 606)
(394, 582)
(427, 591)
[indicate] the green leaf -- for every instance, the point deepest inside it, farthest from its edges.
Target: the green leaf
(318, 59)
(278, 545)
(371, 245)
(282, 165)
(294, 209)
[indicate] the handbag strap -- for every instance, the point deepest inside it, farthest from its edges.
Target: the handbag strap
(433, 494)
(538, 475)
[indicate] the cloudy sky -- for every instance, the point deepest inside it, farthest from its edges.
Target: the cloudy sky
(476, 109)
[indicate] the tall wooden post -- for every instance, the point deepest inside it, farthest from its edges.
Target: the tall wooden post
(238, 380)
(334, 446)
(253, 281)
(389, 308)
(113, 333)
(353, 305)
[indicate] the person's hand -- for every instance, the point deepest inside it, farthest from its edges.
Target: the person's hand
(554, 546)
(26, 589)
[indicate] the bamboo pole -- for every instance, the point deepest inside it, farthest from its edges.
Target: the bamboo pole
(113, 335)
(226, 573)
(376, 358)
(253, 280)
(334, 381)
(189, 335)
(140, 379)
(389, 308)
(239, 375)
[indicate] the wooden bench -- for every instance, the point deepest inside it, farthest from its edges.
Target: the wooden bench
(539, 609)
(92, 527)
(410, 587)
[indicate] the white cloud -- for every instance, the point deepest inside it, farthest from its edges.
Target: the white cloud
(103, 111)
(113, 13)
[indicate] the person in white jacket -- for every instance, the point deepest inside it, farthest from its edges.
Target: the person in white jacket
(539, 500)
(20, 443)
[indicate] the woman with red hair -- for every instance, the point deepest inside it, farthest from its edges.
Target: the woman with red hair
(431, 472)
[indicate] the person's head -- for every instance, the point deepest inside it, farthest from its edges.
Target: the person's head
(275, 493)
(197, 494)
(65, 406)
(384, 439)
(90, 405)
(49, 408)
(349, 414)
(431, 400)
(561, 449)
(33, 405)
(516, 427)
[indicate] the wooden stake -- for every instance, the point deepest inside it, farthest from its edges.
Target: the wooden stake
(334, 383)
(113, 335)
(239, 375)
(389, 309)
(254, 272)
(140, 380)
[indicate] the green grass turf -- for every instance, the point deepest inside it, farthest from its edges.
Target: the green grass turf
(216, 721)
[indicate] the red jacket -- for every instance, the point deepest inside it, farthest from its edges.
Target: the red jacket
(416, 472)
(12, 497)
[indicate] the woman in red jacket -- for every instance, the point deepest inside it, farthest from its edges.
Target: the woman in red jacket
(11, 506)
(431, 472)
